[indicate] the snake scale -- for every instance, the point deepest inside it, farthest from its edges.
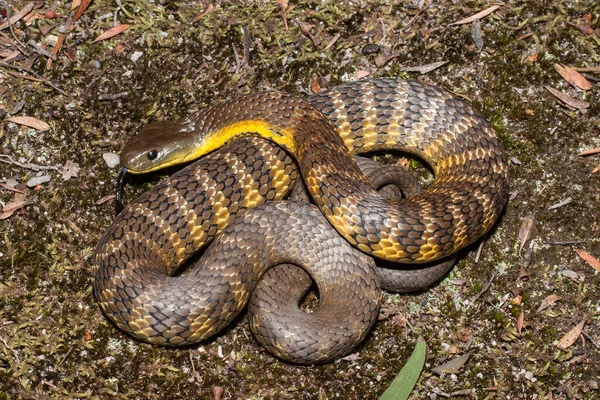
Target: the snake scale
(226, 195)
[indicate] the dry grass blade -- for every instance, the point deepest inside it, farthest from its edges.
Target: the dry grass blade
(573, 77)
(479, 15)
(590, 259)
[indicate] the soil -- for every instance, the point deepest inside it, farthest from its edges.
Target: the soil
(173, 60)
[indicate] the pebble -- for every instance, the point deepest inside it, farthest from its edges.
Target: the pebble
(370, 48)
(136, 56)
(111, 159)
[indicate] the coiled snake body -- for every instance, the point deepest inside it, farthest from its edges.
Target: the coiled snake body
(166, 225)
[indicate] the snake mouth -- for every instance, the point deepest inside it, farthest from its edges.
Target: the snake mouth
(119, 195)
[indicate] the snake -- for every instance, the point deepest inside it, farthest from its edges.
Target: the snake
(234, 196)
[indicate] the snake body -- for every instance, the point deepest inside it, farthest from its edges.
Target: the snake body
(162, 229)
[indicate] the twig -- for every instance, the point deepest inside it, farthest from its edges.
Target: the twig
(560, 204)
(192, 362)
(112, 96)
(246, 46)
(11, 349)
(563, 242)
(485, 288)
(42, 79)
(413, 19)
(332, 41)
(591, 339)
(65, 356)
(479, 251)
(34, 167)
(38, 49)
(17, 44)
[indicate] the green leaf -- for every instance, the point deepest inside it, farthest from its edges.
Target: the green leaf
(406, 380)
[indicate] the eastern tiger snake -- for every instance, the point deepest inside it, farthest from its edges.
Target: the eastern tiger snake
(152, 237)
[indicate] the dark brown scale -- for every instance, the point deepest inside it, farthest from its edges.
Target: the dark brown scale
(149, 238)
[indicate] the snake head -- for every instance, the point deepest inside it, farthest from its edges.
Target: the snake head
(158, 145)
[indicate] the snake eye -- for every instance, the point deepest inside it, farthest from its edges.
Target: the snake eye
(152, 154)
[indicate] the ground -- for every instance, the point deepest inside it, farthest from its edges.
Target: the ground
(181, 56)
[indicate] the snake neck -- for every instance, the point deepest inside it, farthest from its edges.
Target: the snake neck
(272, 115)
(280, 135)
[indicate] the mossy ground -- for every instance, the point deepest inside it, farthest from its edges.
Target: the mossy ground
(55, 343)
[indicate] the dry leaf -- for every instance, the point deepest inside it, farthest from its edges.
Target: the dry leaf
(51, 14)
(32, 16)
(30, 122)
(479, 15)
(115, 30)
(520, 320)
(589, 152)
(104, 199)
(572, 275)
(590, 259)
(57, 46)
(18, 16)
(18, 202)
(585, 29)
(11, 188)
(568, 100)
(573, 77)
(75, 4)
(525, 36)
(548, 301)
(217, 392)
(477, 34)
(597, 169)
(208, 9)
(525, 231)
(382, 59)
(464, 334)
(517, 300)
(567, 340)
(532, 58)
(71, 55)
(82, 7)
(452, 366)
(314, 84)
(423, 69)
(523, 274)
(70, 170)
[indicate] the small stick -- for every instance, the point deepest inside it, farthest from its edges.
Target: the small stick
(563, 242)
(43, 80)
(34, 167)
(486, 288)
